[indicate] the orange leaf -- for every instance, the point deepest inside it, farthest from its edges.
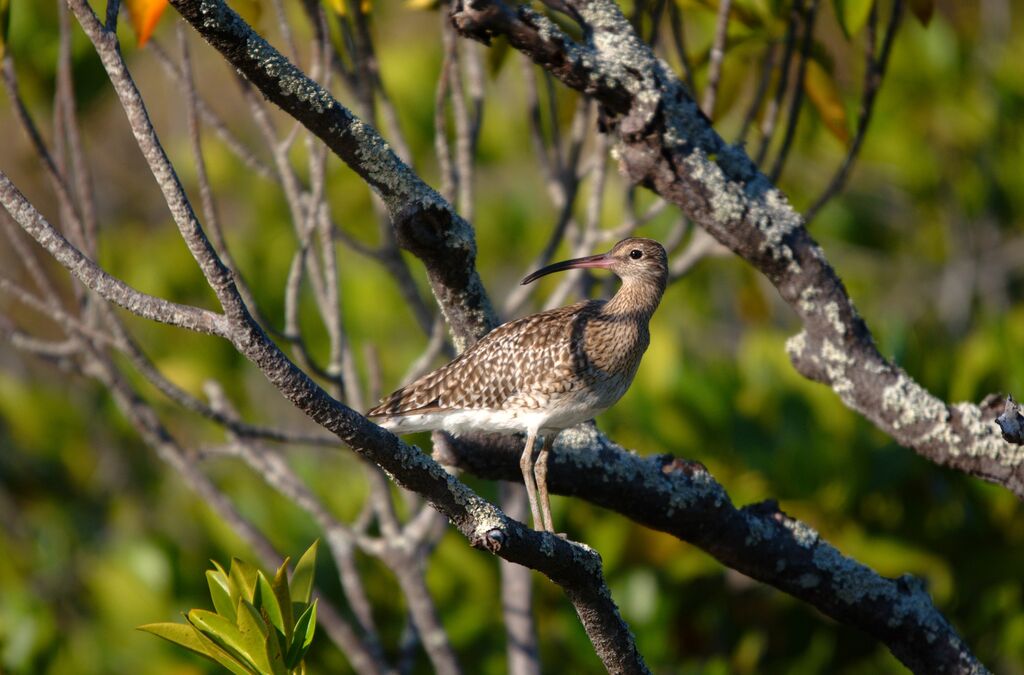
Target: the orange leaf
(825, 98)
(144, 14)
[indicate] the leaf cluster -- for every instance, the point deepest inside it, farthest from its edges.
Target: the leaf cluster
(254, 629)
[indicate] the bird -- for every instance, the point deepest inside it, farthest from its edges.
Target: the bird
(542, 373)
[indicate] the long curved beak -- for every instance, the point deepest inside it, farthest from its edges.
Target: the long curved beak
(602, 260)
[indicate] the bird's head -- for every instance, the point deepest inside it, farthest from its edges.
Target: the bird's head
(633, 259)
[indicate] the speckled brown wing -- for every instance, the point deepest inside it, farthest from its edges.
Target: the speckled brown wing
(520, 358)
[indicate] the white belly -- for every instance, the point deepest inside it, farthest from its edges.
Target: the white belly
(456, 422)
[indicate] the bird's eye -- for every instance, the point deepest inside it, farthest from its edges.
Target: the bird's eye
(636, 254)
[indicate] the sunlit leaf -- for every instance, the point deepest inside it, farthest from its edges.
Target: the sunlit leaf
(223, 632)
(189, 637)
(284, 597)
(304, 629)
(253, 632)
(5, 23)
(235, 593)
(341, 9)
(852, 14)
(144, 15)
(302, 578)
(824, 96)
(922, 10)
(220, 592)
(243, 576)
(265, 600)
(274, 647)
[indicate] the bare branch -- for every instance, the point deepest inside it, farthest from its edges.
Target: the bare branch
(167, 449)
(797, 100)
(681, 498)
(679, 42)
(769, 123)
(517, 596)
(874, 71)
(96, 279)
(217, 275)
(210, 117)
(716, 57)
(424, 223)
(666, 143)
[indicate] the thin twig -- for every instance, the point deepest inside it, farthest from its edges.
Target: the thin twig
(679, 42)
(757, 100)
(874, 73)
(715, 58)
(517, 597)
(768, 124)
(210, 117)
(796, 103)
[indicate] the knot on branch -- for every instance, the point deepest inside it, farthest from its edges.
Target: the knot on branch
(474, 19)
(687, 467)
(1011, 423)
(494, 540)
(423, 229)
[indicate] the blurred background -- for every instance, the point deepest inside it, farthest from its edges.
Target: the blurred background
(97, 536)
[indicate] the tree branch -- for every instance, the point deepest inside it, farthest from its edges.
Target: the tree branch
(681, 498)
(424, 223)
(95, 278)
(664, 142)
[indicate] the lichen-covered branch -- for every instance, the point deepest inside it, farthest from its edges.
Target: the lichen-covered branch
(683, 499)
(664, 142)
(93, 277)
(424, 223)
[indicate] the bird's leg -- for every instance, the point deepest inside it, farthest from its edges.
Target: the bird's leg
(541, 472)
(526, 465)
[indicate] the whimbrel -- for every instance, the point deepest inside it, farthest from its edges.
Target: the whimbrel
(545, 372)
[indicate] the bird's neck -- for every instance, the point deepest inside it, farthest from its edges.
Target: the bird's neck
(636, 298)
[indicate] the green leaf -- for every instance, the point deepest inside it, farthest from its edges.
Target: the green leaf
(274, 647)
(852, 15)
(223, 632)
(302, 578)
(189, 637)
(284, 597)
(265, 600)
(254, 632)
(220, 591)
(5, 23)
(304, 629)
(243, 575)
(234, 592)
(923, 10)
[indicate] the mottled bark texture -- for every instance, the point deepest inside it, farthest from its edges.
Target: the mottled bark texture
(425, 224)
(664, 142)
(684, 500)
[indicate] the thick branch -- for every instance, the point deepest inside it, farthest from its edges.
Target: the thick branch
(575, 567)
(683, 499)
(664, 142)
(425, 224)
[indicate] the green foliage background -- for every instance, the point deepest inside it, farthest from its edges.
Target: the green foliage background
(98, 537)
